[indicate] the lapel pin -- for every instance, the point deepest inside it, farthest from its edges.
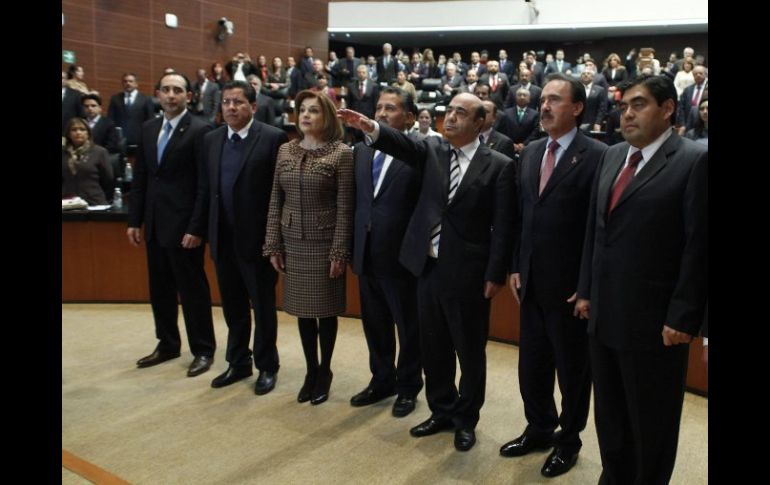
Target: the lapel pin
(573, 161)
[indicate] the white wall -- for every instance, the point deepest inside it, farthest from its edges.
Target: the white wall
(507, 14)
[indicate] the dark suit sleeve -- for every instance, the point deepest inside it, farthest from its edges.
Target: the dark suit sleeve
(586, 262)
(199, 217)
(535, 133)
(690, 293)
(506, 205)
(506, 148)
(138, 185)
(602, 111)
(400, 146)
(106, 177)
(342, 243)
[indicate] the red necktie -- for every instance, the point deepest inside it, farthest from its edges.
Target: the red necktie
(494, 83)
(696, 95)
(625, 178)
(550, 162)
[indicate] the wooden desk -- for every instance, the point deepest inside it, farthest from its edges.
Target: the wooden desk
(99, 265)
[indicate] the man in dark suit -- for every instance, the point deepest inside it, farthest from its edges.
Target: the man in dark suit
(130, 109)
(104, 133)
(458, 244)
(524, 82)
(362, 96)
(386, 194)
(70, 103)
(240, 162)
(493, 138)
(644, 282)
(206, 97)
(596, 102)
(507, 66)
(240, 66)
(559, 64)
(498, 83)
(520, 123)
(691, 96)
(555, 179)
(169, 196)
(387, 65)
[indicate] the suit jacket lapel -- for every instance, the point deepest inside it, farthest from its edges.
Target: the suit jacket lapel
(177, 135)
(251, 143)
(568, 161)
(651, 168)
(367, 156)
(533, 170)
(393, 169)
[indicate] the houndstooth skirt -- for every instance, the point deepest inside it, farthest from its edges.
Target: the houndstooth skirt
(308, 290)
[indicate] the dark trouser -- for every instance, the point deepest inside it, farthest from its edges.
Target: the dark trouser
(241, 282)
(638, 399)
(385, 300)
(179, 270)
(452, 325)
(553, 340)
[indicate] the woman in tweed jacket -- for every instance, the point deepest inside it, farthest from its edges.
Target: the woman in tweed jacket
(309, 232)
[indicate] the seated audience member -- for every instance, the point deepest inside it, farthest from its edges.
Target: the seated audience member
(700, 130)
(277, 79)
(85, 169)
(402, 83)
(266, 110)
(424, 123)
(104, 133)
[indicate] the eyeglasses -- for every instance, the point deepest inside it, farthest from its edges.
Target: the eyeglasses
(235, 102)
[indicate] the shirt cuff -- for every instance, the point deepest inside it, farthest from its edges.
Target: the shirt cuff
(371, 138)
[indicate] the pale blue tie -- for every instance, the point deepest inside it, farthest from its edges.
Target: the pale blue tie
(164, 140)
(454, 182)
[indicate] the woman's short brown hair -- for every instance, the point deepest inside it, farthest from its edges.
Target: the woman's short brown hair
(332, 128)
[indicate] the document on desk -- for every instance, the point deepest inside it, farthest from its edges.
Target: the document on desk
(99, 207)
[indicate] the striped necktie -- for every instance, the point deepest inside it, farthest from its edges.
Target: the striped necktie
(454, 182)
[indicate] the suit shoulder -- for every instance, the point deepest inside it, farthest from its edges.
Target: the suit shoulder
(497, 157)
(213, 133)
(271, 130)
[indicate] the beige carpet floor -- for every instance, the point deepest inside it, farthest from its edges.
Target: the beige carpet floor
(157, 426)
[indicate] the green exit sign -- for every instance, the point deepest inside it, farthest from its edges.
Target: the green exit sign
(68, 56)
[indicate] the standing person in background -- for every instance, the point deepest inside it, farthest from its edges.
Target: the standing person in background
(644, 283)
(75, 79)
(386, 193)
(70, 103)
(129, 109)
(206, 97)
(169, 196)
(240, 160)
(309, 233)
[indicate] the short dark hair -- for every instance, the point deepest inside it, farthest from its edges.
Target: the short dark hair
(661, 87)
(129, 74)
(93, 96)
(407, 103)
(248, 89)
(577, 91)
(72, 70)
(188, 86)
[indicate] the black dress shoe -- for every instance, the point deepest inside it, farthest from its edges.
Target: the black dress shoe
(200, 364)
(559, 462)
(431, 426)
(321, 389)
(156, 357)
(465, 438)
(265, 382)
(370, 396)
(526, 443)
(306, 392)
(403, 406)
(231, 375)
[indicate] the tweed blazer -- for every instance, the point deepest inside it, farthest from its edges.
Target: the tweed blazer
(313, 198)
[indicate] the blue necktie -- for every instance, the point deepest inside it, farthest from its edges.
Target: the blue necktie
(377, 168)
(164, 140)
